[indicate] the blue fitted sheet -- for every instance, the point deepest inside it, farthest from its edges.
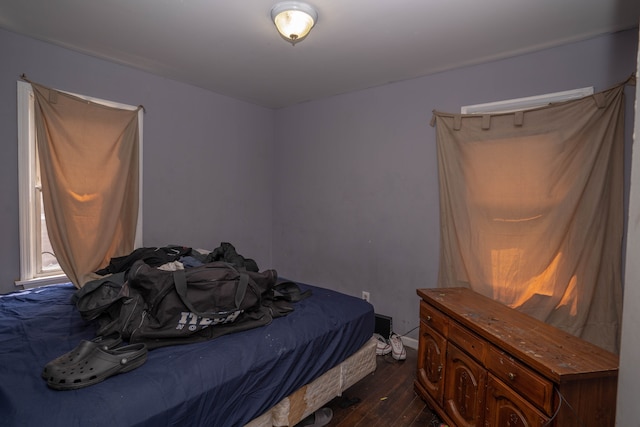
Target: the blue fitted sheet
(227, 381)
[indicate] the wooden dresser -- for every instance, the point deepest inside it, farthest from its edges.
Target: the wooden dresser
(481, 363)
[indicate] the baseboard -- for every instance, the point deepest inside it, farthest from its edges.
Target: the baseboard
(410, 342)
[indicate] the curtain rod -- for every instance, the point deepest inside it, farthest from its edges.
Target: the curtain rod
(23, 77)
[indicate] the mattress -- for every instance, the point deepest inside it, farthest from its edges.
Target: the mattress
(277, 374)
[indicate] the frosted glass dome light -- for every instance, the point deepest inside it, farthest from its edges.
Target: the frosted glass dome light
(294, 20)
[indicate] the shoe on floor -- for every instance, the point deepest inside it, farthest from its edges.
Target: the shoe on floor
(383, 346)
(320, 418)
(398, 351)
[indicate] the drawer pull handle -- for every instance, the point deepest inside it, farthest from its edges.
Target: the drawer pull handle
(511, 376)
(439, 368)
(428, 318)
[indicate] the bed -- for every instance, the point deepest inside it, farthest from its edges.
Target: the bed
(274, 375)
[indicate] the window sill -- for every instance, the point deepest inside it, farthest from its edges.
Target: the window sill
(42, 281)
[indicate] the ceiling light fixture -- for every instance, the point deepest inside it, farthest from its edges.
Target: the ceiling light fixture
(294, 20)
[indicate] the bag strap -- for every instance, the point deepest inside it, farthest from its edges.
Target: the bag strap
(290, 291)
(180, 281)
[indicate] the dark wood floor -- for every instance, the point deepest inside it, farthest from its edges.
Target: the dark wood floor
(387, 398)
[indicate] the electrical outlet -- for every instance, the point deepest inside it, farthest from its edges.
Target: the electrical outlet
(365, 296)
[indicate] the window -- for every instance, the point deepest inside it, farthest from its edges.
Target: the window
(38, 265)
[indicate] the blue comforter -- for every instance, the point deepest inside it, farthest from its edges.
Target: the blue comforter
(227, 381)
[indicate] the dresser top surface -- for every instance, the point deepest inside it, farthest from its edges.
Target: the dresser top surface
(557, 354)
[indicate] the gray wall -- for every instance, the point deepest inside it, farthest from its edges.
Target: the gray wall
(356, 193)
(207, 158)
(340, 192)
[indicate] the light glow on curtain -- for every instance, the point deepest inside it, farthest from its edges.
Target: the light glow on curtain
(88, 155)
(531, 210)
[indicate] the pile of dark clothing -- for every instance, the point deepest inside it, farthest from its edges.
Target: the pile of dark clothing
(156, 257)
(151, 294)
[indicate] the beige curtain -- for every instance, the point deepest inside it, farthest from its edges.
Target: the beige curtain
(88, 156)
(531, 211)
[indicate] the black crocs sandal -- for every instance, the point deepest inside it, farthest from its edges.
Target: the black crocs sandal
(99, 365)
(81, 351)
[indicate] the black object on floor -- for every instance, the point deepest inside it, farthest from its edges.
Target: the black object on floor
(345, 402)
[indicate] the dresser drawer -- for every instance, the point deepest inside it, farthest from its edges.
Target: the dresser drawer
(468, 341)
(433, 318)
(504, 407)
(537, 389)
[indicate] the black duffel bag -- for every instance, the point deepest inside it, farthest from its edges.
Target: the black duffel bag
(160, 308)
(198, 303)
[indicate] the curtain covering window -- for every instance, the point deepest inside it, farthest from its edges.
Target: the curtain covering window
(531, 211)
(89, 161)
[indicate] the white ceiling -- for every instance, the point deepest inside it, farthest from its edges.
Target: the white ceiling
(231, 47)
